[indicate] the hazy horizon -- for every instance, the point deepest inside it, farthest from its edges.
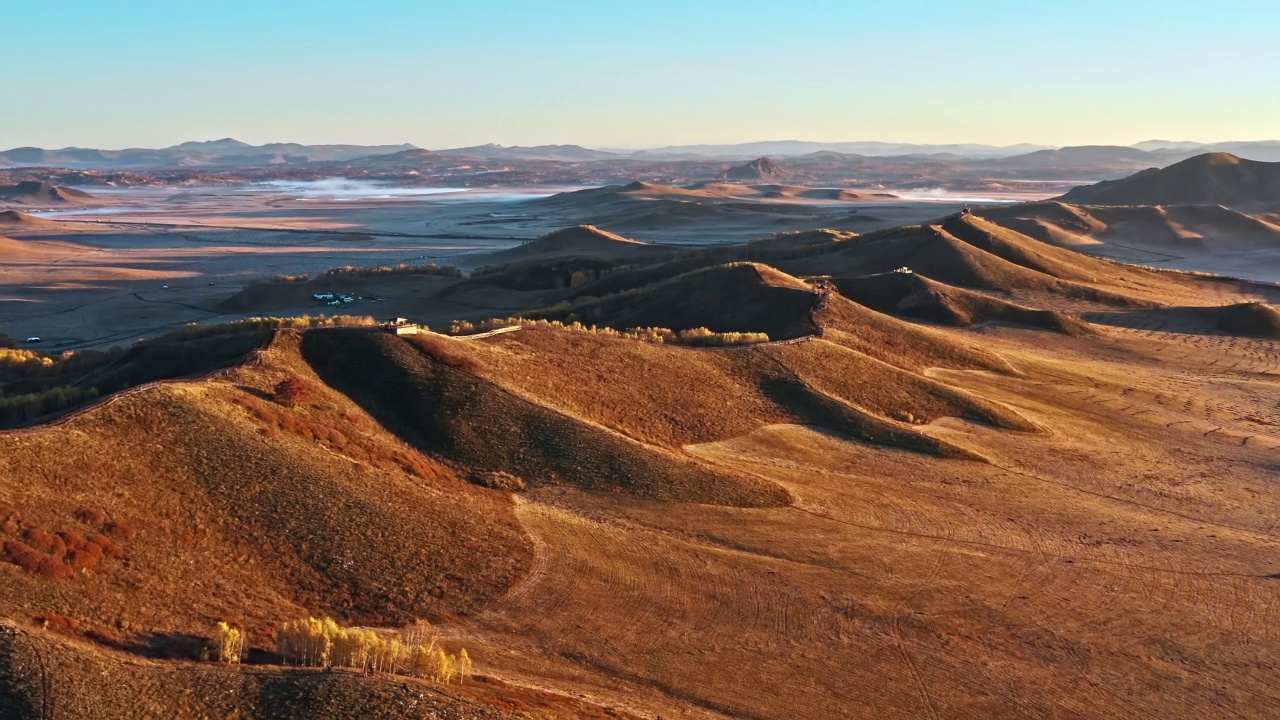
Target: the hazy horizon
(636, 148)
(151, 74)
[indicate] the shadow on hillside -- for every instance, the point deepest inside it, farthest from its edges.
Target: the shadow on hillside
(1250, 320)
(180, 646)
(815, 408)
(349, 361)
(260, 394)
(170, 646)
(419, 393)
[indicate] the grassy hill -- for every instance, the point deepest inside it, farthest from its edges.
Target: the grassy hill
(19, 219)
(1169, 228)
(1017, 480)
(725, 298)
(428, 394)
(583, 241)
(1209, 179)
(918, 296)
(38, 193)
(246, 509)
(1239, 320)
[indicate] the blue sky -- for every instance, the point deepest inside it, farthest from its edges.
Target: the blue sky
(107, 73)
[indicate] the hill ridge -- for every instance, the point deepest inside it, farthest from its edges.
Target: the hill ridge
(1217, 178)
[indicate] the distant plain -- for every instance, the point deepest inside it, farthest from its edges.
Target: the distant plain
(150, 259)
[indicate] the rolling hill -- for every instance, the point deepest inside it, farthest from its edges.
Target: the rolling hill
(759, 170)
(42, 194)
(583, 241)
(1014, 481)
(13, 218)
(1203, 238)
(711, 192)
(917, 296)
(252, 488)
(1209, 179)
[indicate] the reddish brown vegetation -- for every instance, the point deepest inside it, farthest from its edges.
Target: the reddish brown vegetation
(44, 542)
(119, 529)
(10, 520)
(60, 623)
(58, 555)
(82, 554)
(410, 462)
(85, 559)
(291, 423)
(73, 540)
(91, 516)
(103, 636)
(75, 627)
(35, 562)
(292, 391)
(357, 421)
(110, 548)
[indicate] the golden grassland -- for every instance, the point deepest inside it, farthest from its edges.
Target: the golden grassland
(885, 519)
(76, 679)
(250, 487)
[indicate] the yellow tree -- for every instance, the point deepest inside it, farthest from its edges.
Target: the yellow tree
(230, 643)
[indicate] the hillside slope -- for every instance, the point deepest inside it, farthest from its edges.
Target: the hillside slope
(426, 393)
(583, 241)
(45, 674)
(912, 482)
(241, 508)
(1209, 179)
(38, 193)
(1204, 238)
(917, 296)
(1169, 228)
(726, 298)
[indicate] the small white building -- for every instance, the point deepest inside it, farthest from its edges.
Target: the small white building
(401, 326)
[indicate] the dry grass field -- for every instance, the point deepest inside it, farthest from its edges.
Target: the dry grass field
(1018, 481)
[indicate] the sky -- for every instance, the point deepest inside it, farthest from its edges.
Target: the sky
(623, 74)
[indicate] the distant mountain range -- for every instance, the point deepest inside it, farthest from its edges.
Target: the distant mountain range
(214, 153)
(1264, 150)
(229, 153)
(561, 153)
(793, 148)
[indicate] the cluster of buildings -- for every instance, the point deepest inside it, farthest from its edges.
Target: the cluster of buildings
(334, 299)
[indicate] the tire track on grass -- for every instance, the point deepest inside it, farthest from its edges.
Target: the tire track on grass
(1024, 551)
(895, 629)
